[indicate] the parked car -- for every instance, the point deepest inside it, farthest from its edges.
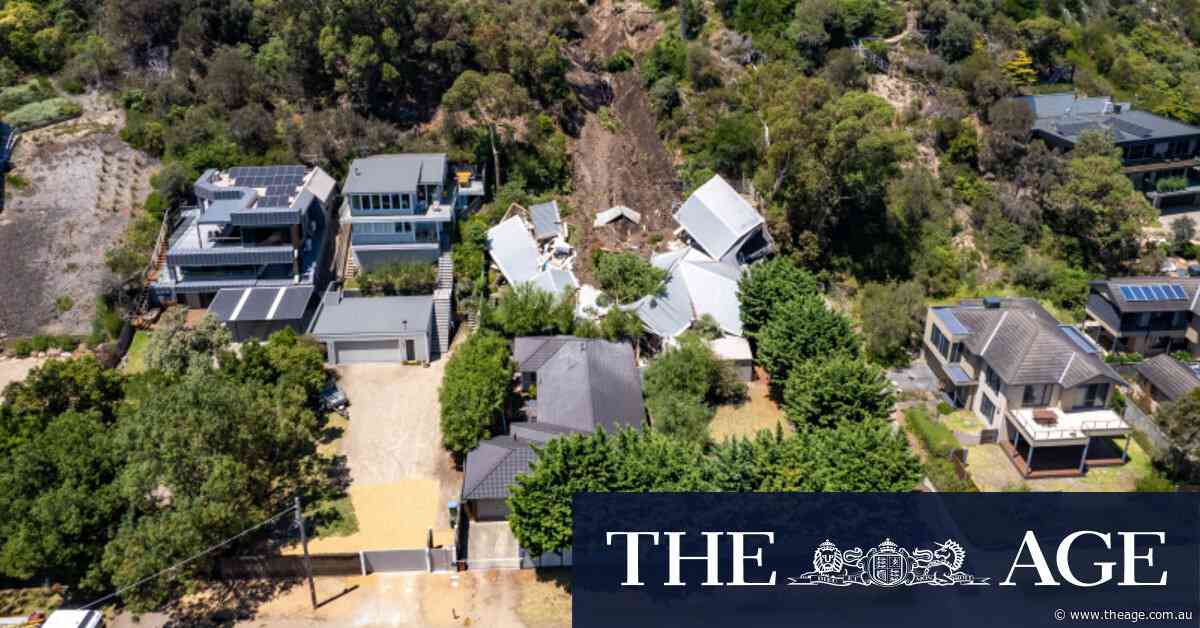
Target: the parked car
(334, 400)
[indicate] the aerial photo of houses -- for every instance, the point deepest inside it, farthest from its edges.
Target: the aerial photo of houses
(320, 313)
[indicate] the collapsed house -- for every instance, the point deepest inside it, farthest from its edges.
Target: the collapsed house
(537, 253)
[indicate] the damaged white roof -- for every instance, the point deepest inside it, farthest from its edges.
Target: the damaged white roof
(717, 217)
(513, 250)
(697, 285)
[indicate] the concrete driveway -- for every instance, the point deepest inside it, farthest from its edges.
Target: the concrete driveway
(401, 478)
(917, 378)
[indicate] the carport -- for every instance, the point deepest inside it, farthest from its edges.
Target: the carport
(374, 329)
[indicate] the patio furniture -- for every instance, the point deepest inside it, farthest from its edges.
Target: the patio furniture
(1045, 417)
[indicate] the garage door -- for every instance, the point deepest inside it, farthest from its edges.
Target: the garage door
(349, 351)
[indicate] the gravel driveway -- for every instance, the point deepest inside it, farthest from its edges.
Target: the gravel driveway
(401, 478)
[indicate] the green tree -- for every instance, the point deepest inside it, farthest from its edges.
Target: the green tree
(893, 318)
(476, 384)
(800, 330)
(400, 278)
(488, 99)
(765, 286)
(1180, 423)
(680, 416)
(692, 370)
(176, 348)
(851, 457)
(1098, 214)
(80, 385)
(838, 389)
(526, 310)
(625, 276)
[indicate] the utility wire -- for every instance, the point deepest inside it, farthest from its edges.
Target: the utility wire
(192, 558)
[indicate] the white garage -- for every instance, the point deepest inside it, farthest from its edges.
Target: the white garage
(375, 329)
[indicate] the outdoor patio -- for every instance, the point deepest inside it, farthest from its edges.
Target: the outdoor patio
(992, 470)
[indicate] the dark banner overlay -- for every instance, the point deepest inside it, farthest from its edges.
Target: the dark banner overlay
(910, 559)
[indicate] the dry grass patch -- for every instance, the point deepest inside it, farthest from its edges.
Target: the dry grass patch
(546, 599)
(748, 418)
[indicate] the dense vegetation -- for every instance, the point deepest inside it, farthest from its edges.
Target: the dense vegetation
(112, 477)
(865, 456)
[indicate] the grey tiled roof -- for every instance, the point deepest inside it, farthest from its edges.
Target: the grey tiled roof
(531, 352)
(1067, 117)
(582, 383)
(1168, 375)
(1024, 345)
(494, 465)
(372, 316)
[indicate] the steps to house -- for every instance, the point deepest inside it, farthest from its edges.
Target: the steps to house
(443, 302)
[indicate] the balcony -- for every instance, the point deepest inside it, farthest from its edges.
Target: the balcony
(1053, 426)
(198, 243)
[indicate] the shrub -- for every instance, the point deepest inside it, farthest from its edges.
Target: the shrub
(1171, 184)
(766, 286)
(620, 61)
(944, 408)
(526, 310)
(892, 320)
(400, 279)
(799, 330)
(477, 382)
(938, 439)
(1117, 357)
(43, 113)
(1154, 483)
(64, 304)
(625, 276)
(18, 96)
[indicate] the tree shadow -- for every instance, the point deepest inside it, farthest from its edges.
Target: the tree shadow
(560, 576)
(223, 604)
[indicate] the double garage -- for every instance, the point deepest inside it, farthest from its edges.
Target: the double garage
(375, 329)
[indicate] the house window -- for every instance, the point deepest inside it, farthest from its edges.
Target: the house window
(987, 408)
(395, 201)
(405, 202)
(1036, 396)
(1095, 396)
(403, 227)
(993, 379)
(940, 341)
(387, 201)
(356, 201)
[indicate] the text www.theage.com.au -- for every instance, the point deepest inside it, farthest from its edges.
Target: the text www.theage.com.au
(1130, 616)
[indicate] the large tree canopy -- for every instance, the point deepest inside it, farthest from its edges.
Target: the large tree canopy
(477, 382)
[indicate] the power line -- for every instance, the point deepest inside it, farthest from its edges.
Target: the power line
(192, 558)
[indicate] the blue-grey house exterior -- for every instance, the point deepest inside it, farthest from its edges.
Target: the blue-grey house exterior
(253, 249)
(401, 208)
(1153, 148)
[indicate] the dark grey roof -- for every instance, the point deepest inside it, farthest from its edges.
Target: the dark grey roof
(1110, 290)
(1066, 117)
(531, 352)
(1024, 344)
(1173, 378)
(395, 173)
(261, 304)
(492, 467)
(366, 317)
(588, 384)
(546, 220)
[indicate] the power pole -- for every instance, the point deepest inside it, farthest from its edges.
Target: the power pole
(312, 588)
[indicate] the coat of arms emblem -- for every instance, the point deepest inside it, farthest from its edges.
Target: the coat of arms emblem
(888, 565)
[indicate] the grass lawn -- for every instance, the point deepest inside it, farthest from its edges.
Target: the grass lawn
(135, 358)
(755, 414)
(992, 471)
(962, 421)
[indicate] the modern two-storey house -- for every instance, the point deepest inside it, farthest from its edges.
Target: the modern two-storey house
(401, 208)
(252, 250)
(1040, 385)
(1146, 315)
(1161, 156)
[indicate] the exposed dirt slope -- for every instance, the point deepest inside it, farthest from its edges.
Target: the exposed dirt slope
(82, 183)
(619, 158)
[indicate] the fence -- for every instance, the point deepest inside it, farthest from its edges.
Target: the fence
(1146, 425)
(343, 564)
(524, 561)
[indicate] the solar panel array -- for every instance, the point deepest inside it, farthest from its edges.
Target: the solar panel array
(1154, 292)
(1075, 128)
(280, 182)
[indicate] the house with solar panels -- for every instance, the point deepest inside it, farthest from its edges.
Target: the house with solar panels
(252, 250)
(1146, 315)
(1160, 155)
(1041, 387)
